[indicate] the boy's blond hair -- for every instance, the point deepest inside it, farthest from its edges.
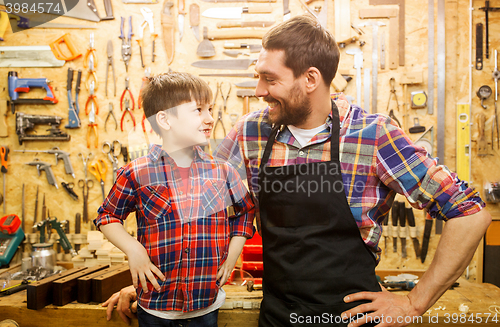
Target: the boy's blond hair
(168, 90)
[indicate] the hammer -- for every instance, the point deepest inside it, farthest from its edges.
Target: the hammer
(246, 94)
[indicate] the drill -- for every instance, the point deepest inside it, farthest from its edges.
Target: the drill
(17, 85)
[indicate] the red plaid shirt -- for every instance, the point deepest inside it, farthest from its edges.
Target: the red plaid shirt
(186, 235)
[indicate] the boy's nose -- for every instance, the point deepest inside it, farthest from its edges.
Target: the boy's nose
(208, 119)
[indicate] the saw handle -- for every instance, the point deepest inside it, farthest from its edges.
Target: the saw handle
(58, 52)
(194, 14)
(182, 7)
(108, 7)
(258, 10)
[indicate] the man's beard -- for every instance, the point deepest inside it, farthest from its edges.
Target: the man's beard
(292, 112)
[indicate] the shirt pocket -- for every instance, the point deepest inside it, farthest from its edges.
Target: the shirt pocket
(213, 197)
(155, 201)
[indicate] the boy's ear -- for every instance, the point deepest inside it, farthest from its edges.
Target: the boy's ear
(162, 120)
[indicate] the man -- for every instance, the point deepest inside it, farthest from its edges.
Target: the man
(322, 203)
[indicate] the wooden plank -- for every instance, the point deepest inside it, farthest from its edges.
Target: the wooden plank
(40, 292)
(84, 284)
(342, 19)
(402, 36)
(105, 285)
(65, 289)
(392, 15)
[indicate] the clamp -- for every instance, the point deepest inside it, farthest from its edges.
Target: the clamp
(91, 100)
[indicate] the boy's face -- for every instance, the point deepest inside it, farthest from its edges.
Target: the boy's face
(192, 125)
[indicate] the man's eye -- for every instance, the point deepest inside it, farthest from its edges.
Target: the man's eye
(269, 80)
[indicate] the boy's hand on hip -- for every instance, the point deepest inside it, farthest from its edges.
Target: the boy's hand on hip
(224, 272)
(141, 268)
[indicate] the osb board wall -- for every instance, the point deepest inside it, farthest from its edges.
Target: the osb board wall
(61, 205)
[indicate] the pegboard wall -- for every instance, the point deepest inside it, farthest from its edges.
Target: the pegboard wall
(400, 65)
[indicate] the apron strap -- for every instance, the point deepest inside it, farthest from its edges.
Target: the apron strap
(335, 135)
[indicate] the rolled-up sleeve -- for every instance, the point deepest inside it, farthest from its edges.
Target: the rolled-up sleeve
(409, 170)
(241, 223)
(119, 203)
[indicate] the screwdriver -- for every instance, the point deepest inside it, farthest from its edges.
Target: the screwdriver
(4, 155)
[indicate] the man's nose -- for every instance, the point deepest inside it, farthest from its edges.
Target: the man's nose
(261, 89)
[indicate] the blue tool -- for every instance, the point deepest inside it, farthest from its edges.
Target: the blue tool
(17, 85)
(74, 109)
(11, 237)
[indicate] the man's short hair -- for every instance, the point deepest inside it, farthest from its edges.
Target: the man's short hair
(306, 44)
(168, 90)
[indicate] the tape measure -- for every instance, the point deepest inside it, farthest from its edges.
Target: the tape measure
(418, 99)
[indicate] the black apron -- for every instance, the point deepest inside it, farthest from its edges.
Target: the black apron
(313, 252)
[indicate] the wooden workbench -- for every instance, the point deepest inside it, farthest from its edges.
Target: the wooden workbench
(479, 297)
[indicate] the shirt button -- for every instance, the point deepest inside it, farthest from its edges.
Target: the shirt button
(301, 153)
(181, 192)
(186, 250)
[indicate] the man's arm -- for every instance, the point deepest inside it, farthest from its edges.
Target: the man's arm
(456, 248)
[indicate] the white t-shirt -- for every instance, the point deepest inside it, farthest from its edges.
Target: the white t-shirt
(303, 136)
(174, 315)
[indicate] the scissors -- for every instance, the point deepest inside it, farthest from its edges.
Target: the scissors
(113, 150)
(85, 163)
(85, 186)
(98, 168)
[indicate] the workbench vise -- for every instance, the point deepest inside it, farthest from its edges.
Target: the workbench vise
(25, 123)
(17, 85)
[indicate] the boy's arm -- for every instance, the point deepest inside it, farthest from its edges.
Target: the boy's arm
(234, 251)
(138, 258)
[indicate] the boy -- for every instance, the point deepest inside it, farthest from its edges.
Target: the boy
(186, 245)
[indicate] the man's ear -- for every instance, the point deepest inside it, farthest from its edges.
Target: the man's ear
(313, 79)
(162, 120)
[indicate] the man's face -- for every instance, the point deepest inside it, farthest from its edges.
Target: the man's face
(192, 125)
(285, 94)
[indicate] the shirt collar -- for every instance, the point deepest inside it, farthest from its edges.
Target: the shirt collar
(156, 152)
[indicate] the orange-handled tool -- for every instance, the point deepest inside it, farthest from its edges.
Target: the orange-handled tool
(4, 154)
(58, 51)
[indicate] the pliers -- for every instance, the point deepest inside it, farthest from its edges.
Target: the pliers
(147, 73)
(219, 119)
(92, 100)
(110, 114)
(127, 89)
(111, 63)
(127, 109)
(92, 73)
(222, 94)
(92, 126)
(91, 51)
(126, 42)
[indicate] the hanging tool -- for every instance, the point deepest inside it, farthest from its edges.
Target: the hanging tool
(416, 128)
(247, 84)
(342, 19)
(395, 230)
(392, 83)
(236, 34)
(17, 85)
(246, 95)
(410, 78)
(494, 128)
(126, 42)
(386, 232)
(321, 16)
(61, 54)
(91, 52)
(484, 93)
(25, 123)
(358, 64)
(234, 53)
(252, 75)
(226, 94)
(463, 148)
(4, 108)
(111, 62)
(205, 49)
(35, 214)
(11, 236)
(92, 100)
(98, 168)
(110, 114)
(234, 64)
(167, 23)
(254, 48)
(418, 100)
(25, 22)
(382, 50)
(375, 26)
(194, 20)
(40, 165)
(235, 12)
(92, 127)
(486, 10)
(60, 155)
(234, 118)
(147, 73)
(427, 236)
(219, 119)
(413, 229)
(91, 73)
(479, 46)
(441, 88)
(148, 20)
(496, 75)
(113, 150)
(73, 113)
(4, 157)
(24, 56)
(402, 228)
(85, 185)
(127, 109)
(68, 187)
(181, 9)
(286, 10)
(127, 89)
(366, 82)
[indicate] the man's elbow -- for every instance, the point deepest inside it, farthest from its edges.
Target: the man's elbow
(484, 219)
